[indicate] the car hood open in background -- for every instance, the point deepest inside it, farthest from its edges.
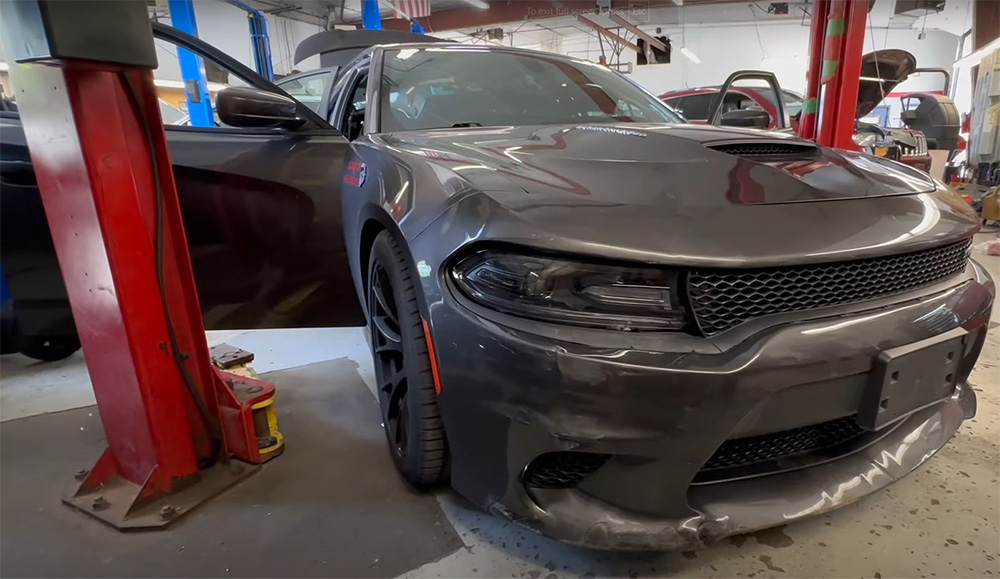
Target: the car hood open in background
(881, 72)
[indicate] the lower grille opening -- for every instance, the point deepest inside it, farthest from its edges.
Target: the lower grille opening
(786, 450)
(562, 470)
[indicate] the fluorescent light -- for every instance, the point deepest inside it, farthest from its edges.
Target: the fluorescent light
(478, 4)
(679, 2)
(873, 79)
(4, 67)
(690, 55)
(164, 83)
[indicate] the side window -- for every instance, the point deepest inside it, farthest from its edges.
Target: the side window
(675, 103)
(308, 90)
(173, 91)
(736, 101)
(696, 107)
(354, 115)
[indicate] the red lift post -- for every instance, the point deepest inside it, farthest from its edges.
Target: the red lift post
(837, 41)
(91, 117)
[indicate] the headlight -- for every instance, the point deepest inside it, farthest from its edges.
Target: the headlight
(585, 294)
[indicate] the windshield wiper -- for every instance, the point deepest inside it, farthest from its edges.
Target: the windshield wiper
(465, 125)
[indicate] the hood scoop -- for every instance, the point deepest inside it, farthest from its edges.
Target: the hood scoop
(767, 150)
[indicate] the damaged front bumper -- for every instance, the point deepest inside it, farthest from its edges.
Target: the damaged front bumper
(752, 504)
(656, 408)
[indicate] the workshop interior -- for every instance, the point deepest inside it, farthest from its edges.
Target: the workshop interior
(499, 288)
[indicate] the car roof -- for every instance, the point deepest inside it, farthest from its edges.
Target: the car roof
(438, 44)
(342, 45)
(711, 89)
(691, 91)
(481, 48)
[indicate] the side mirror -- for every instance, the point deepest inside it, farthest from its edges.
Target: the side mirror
(908, 117)
(754, 119)
(249, 107)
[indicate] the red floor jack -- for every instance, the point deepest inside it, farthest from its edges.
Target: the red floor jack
(174, 423)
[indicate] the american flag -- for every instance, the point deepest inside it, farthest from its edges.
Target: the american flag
(412, 8)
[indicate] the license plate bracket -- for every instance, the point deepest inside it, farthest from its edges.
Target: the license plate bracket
(911, 377)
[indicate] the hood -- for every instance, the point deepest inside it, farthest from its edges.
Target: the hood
(658, 165)
(892, 66)
(681, 194)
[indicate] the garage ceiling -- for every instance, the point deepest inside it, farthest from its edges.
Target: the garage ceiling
(319, 11)
(956, 18)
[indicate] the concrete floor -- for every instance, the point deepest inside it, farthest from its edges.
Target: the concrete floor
(332, 506)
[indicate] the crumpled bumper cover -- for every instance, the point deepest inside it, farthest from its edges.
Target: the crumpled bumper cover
(753, 504)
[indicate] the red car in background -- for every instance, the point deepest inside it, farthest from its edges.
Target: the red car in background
(894, 66)
(695, 104)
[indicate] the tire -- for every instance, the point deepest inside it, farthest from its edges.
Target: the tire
(48, 349)
(405, 383)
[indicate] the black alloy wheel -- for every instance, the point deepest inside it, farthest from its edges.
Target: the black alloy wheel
(405, 384)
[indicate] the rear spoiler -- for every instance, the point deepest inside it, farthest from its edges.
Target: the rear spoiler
(337, 47)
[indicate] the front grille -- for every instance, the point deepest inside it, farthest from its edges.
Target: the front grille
(766, 149)
(561, 470)
(722, 299)
(755, 450)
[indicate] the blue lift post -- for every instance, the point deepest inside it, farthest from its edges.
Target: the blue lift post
(259, 39)
(371, 17)
(192, 67)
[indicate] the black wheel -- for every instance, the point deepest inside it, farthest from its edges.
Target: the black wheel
(403, 375)
(48, 349)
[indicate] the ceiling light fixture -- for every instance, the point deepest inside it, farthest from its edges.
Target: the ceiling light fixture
(690, 55)
(478, 4)
(165, 83)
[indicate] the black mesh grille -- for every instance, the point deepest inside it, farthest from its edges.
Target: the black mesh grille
(560, 470)
(765, 149)
(743, 452)
(722, 299)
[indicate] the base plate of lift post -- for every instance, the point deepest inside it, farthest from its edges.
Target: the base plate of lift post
(117, 501)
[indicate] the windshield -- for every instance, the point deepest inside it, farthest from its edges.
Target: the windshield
(431, 88)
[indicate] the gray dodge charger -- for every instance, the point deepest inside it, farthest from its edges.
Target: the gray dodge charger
(590, 318)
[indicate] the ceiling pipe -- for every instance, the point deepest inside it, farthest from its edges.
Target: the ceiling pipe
(637, 31)
(609, 34)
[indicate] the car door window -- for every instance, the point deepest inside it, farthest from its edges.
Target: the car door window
(737, 101)
(675, 103)
(354, 116)
(172, 90)
(793, 102)
(696, 107)
(308, 90)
